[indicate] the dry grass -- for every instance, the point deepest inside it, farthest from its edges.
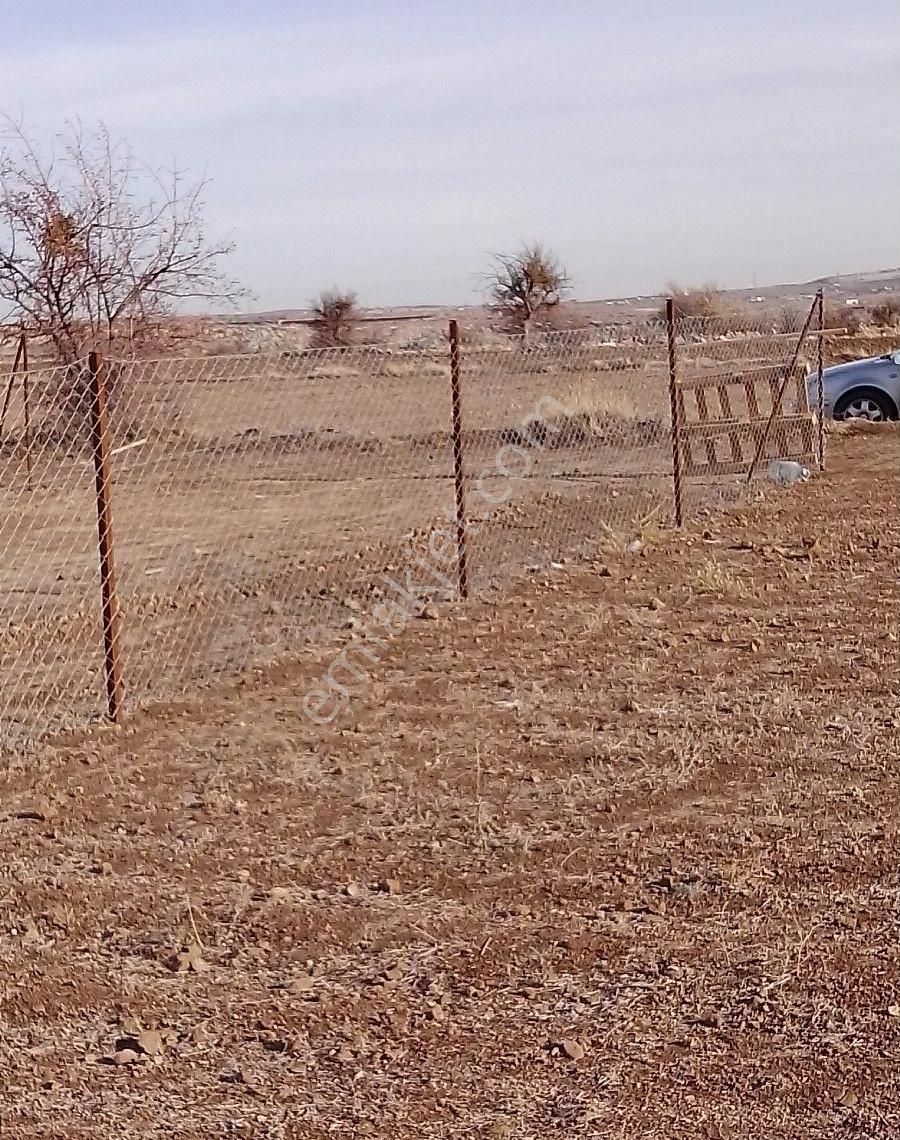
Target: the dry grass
(713, 577)
(586, 397)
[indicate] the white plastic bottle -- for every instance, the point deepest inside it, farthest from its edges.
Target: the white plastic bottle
(787, 472)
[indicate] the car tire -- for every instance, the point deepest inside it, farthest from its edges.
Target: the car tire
(865, 404)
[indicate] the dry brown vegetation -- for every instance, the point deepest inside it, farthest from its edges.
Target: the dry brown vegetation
(335, 318)
(699, 301)
(886, 313)
(526, 285)
(615, 856)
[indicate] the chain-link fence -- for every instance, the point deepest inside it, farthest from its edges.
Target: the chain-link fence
(222, 512)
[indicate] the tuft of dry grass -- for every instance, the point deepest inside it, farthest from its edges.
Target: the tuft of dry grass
(714, 577)
(588, 398)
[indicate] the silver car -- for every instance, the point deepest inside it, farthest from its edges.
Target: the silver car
(864, 389)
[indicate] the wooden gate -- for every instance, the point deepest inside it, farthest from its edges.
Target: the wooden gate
(725, 417)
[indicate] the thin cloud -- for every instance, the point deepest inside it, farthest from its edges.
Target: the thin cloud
(390, 148)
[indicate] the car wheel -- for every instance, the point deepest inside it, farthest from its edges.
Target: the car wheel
(865, 404)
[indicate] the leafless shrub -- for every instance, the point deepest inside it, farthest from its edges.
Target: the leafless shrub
(790, 319)
(94, 247)
(335, 318)
(698, 301)
(526, 284)
(839, 316)
(886, 313)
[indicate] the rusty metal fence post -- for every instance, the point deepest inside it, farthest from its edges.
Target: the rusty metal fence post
(106, 546)
(20, 348)
(459, 477)
(26, 396)
(820, 379)
(675, 403)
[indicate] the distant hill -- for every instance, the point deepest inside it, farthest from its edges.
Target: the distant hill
(866, 284)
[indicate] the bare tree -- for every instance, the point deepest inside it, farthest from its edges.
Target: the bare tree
(94, 247)
(335, 316)
(525, 284)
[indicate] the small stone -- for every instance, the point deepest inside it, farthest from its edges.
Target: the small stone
(189, 960)
(150, 1042)
(42, 809)
(571, 1048)
(125, 1057)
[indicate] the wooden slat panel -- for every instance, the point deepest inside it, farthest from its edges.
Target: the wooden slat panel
(752, 402)
(717, 429)
(734, 376)
(789, 436)
(802, 392)
(703, 412)
(734, 436)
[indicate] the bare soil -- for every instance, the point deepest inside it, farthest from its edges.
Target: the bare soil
(613, 856)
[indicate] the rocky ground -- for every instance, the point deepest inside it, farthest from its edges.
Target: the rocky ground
(614, 857)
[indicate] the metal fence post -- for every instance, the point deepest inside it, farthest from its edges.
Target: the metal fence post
(109, 598)
(20, 347)
(675, 403)
(26, 395)
(459, 478)
(820, 379)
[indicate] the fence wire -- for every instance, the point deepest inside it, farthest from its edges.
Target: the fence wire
(264, 498)
(571, 446)
(262, 502)
(51, 637)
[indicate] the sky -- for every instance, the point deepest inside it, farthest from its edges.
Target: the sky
(391, 146)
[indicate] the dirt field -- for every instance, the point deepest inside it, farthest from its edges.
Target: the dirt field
(614, 857)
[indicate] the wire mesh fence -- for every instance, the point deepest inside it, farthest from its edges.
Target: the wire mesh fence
(51, 635)
(254, 504)
(566, 439)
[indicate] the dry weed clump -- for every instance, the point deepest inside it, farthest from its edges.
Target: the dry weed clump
(586, 398)
(335, 318)
(886, 313)
(714, 578)
(698, 301)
